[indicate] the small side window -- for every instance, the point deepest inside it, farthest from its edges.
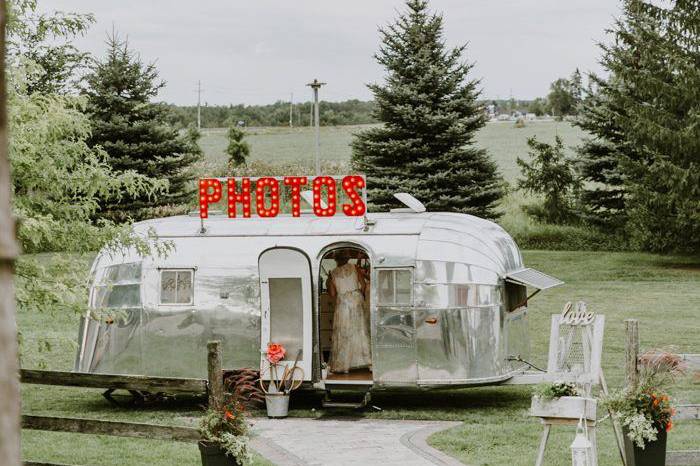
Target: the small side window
(176, 286)
(394, 286)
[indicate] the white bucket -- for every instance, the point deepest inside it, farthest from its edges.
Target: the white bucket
(277, 405)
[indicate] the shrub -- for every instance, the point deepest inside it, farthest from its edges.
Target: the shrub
(550, 174)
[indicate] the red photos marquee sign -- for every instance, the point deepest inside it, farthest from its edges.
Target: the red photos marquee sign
(267, 194)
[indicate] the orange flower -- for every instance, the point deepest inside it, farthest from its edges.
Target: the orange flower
(229, 415)
(275, 352)
(656, 402)
(669, 426)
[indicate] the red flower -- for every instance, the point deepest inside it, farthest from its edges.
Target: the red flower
(669, 426)
(275, 352)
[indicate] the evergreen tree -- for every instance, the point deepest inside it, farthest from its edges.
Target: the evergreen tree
(646, 155)
(238, 150)
(550, 174)
(602, 196)
(135, 132)
(428, 106)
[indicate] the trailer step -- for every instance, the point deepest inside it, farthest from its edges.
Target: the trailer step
(346, 404)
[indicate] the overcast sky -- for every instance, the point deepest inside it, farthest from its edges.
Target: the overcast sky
(261, 51)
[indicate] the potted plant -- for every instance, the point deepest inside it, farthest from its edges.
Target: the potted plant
(645, 410)
(280, 386)
(562, 400)
(225, 435)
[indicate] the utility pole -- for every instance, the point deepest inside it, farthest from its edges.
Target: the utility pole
(311, 115)
(316, 85)
(199, 105)
(291, 110)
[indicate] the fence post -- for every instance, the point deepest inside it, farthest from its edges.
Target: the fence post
(631, 352)
(215, 376)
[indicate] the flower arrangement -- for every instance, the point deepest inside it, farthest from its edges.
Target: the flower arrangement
(548, 391)
(646, 409)
(226, 427)
(287, 381)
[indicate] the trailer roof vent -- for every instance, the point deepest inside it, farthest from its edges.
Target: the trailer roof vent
(413, 204)
(308, 196)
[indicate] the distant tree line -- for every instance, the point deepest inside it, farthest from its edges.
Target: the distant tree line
(348, 112)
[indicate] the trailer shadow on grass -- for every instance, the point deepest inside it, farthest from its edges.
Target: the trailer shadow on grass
(443, 404)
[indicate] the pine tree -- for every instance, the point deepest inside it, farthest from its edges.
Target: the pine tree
(428, 106)
(238, 150)
(135, 132)
(645, 118)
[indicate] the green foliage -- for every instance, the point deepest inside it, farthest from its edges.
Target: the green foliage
(135, 133)
(58, 179)
(227, 427)
(238, 150)
(43, 40)
(348, 112)
(646, 155)
(549, 391)
(430, 115)
(549, 173)
(646, 409)
(565, 95)
(539, 106)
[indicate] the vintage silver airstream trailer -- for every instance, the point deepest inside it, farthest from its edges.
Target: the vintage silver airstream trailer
(447, 300)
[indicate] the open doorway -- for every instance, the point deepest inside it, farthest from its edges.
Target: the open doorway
(344, 287)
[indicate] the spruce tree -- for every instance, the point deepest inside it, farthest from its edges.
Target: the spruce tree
(430, 116)
(238, 150)
(647, 151)
(135, 132)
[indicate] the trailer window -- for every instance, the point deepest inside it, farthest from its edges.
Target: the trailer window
(176, 286)
(516, 296)
(394, 286)
(117, 287)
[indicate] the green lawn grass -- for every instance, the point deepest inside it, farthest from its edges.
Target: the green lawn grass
(663, 292)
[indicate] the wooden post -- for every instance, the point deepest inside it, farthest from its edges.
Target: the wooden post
(216, 377)
(631, 352)
(9, 366)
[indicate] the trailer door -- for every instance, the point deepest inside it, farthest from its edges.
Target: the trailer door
(286, 299)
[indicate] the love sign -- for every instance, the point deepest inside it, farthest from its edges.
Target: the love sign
(578, 316)
(267, 191)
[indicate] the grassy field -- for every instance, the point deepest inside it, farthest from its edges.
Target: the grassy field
(504, 142)
(662, 292)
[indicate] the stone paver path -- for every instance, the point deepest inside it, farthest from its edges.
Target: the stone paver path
(349, 442)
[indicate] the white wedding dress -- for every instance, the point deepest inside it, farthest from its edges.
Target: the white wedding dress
(350, 346)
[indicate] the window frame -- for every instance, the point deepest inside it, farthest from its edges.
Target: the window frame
(192, 270)
(411, 277)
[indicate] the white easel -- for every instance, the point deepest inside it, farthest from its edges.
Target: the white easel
(575, 353)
